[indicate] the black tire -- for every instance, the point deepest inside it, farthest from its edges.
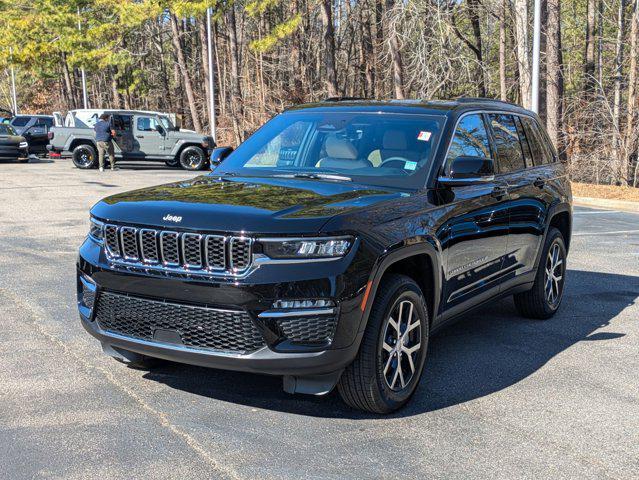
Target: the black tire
(365, 384)
(84, 156)
(192, 158)
(538, 302)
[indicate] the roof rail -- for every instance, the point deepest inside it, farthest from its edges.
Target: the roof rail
(484, 99)
(343, 99)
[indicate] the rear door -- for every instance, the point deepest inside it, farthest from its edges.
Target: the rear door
(148, 141)
(38, 135)
(526, 207)
(123, 126)
(474, 236)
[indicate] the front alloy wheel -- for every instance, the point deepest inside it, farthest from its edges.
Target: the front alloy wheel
(389, 364)
(401, 345)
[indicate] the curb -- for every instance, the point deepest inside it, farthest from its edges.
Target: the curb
(625, 205)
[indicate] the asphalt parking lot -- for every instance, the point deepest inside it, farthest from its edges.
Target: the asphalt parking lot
(502, 397)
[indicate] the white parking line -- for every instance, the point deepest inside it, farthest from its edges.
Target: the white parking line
(598, 212)
(582, 234)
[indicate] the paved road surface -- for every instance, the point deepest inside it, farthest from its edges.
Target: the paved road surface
(503, 397)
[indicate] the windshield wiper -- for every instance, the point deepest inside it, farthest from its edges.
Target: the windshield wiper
(316, 176)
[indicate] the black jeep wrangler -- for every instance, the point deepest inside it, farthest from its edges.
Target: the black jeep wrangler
(331, 245)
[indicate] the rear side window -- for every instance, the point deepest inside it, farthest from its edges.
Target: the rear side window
(44, 122)
(470, 139)
(20, 121)
(536, 141)
(509, 151)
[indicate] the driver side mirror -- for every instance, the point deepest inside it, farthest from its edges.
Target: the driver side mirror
(219, 154)
(466, 170)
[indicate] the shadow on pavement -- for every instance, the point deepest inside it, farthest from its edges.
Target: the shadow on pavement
(484, 352)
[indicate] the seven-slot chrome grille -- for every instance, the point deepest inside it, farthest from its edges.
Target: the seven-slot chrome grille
(178, 250)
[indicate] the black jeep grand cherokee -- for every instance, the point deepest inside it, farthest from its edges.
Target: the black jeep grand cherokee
(332, 244)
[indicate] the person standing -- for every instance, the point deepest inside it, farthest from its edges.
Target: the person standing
(104, 137)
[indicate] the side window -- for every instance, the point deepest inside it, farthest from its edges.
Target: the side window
(535, 142)
(525, 144)
(470, 139)
(20, 121)
(44, 122)
(121, 122)
(146, 124)
(509, 152)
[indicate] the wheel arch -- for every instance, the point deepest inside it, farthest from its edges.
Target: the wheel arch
(421, 262)
(75, 142)
(560, 217)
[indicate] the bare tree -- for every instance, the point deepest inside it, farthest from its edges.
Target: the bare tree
(523, 61)
(555, 79)
(329, 45)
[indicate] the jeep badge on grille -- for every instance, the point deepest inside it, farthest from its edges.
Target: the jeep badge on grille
(171, 218)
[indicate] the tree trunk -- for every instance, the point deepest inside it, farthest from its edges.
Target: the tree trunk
(205, 66)
(379, 46)
(503, 87)
(237, 106)
(631, 115)
(186, 78)
(600, 40)
(619, 157)
(117, 102)
(555, 78)
(68, 83)
(589, 59)
(523, 62)
(396, 55)
(329, 48)
(367, 55)
(473, 13)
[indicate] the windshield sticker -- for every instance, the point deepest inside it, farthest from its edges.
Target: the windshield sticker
(410, 165)
(424, 136)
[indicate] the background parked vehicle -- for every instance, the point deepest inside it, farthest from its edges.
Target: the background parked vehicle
(35, 129)
(139, 136)
(12, 145)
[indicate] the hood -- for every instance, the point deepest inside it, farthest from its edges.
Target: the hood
(9, 140)
(255, 205)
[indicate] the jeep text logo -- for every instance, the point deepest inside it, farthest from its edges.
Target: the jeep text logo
(171, 218)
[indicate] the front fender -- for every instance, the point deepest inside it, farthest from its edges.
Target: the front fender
(400, 251)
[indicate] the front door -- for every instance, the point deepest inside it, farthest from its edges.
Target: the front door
(149, 139)
(123, 126)
(474, 235)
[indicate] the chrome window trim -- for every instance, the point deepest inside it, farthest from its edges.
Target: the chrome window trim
(135, 238)
(182, 242)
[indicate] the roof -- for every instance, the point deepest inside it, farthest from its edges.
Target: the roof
(441, 107)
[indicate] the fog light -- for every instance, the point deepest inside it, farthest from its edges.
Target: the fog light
(284, 304)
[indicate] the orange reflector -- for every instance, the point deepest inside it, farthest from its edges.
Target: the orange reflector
(366, 293)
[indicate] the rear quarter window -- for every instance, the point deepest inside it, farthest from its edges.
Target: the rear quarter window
(507, 144)
(20, 121)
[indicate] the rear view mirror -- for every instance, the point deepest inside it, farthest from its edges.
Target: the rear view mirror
(219, 154)
(466, 170)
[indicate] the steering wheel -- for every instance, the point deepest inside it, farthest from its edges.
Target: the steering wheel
(394, 159)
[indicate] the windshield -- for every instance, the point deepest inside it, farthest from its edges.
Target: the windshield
(6, 130)
(385, 149)
(166, 123)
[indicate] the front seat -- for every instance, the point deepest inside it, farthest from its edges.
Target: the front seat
(395, 144)
(340, 153)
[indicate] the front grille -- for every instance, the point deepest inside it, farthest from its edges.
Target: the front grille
(178, 250)
(318, 329)
(196, 327)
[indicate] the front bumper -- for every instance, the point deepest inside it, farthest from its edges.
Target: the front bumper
(253, 295)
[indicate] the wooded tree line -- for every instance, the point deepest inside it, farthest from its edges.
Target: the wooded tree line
(268, 54)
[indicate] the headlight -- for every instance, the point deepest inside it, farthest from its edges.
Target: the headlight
(23, 145)
(329, 247)
(96, 230)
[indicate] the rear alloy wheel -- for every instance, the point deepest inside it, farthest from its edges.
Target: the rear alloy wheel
(85, 156)
(389, 364)
(192, 158)
(544, 298)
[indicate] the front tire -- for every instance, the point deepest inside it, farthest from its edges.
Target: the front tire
(387, 369)
(192, 158)
(85, 157)
(544, 298)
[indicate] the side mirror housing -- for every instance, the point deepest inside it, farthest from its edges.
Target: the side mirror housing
(219, 154)
(466, 170)
(160, 129)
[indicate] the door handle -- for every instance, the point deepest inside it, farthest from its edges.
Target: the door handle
(539, 182)
(499, 191)
(139, 136)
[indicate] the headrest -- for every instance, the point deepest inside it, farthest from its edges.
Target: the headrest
(340, 148)
(394, 140)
